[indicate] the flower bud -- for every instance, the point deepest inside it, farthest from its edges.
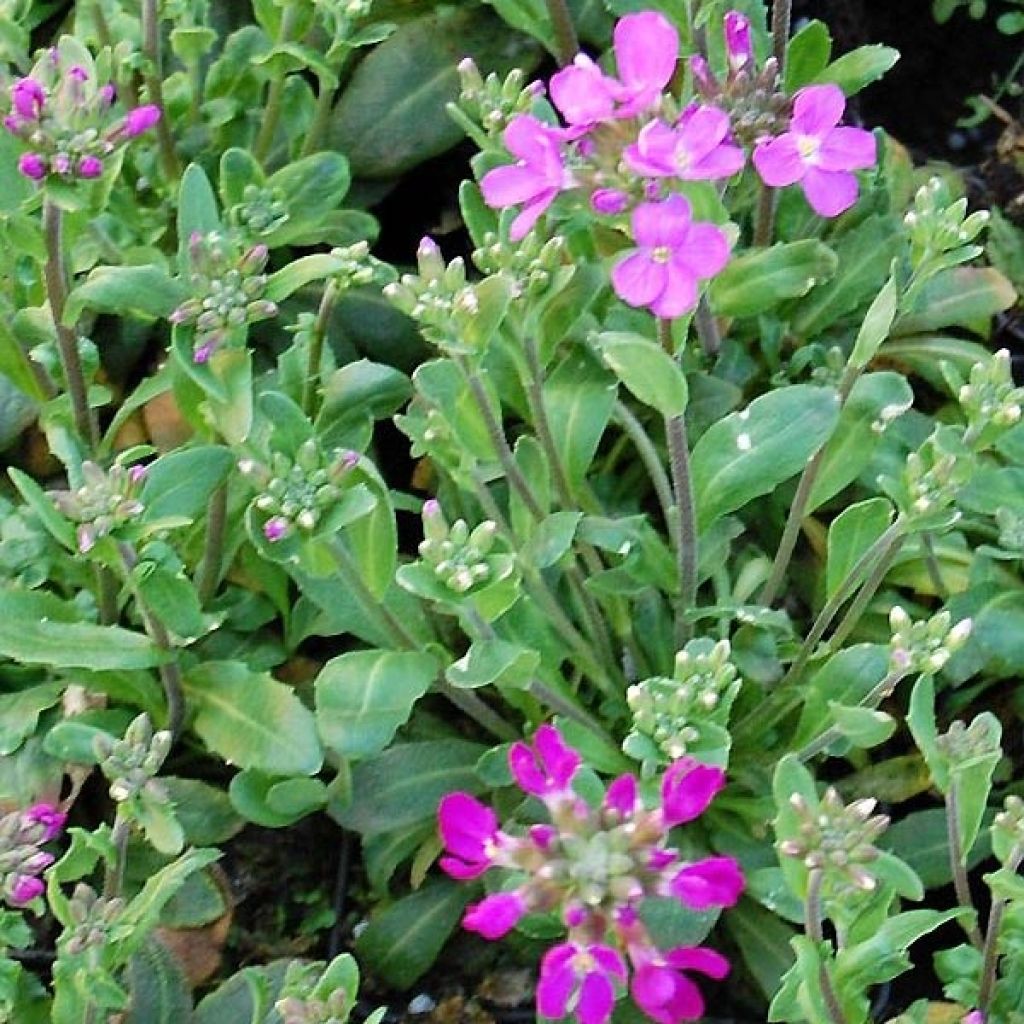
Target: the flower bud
(140, 120)
(33, 166)
(738, 45)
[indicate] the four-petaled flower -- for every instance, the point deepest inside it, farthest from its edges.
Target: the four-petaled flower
(818, 152)
(661, 989)
(548, 767)
(673, 253)
(579, 979)
(470, 834)
(696, 149)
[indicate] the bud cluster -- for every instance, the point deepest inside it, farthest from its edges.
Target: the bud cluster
(261, 212)
(227, 286)
(105, 501)
(296, 494)
(836, 838)
(924, 647)
(458, 556)
(941, 227)
(990, 398)
(332, 1010)
(492, 102)
(672, 716)
(594, 865)
(92, 917)
(22, 859)
(437, 298)
(339, 14)
(131, 763)
(356, 268)
(932, 476)
(532, 264)
(961, 742)
(67, 118)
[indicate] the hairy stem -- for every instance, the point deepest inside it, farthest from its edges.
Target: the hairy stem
(321, 118)
(213, 548)
(113, 876)
(567, 44)
(316, 348)
(866, 593)
(707, 327)
(958, 864)
(812, 928)
(931, 561)
(782, 13)
(764, 219)
(990, 952)
(684, 525)
(275, 95)
(649, 456)
(154, 79)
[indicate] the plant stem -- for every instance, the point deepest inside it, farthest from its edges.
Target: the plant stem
(958, 863)
(867, 592)
(764, 222)
(649, 456)
(67, 341)
(154, 79)
(374, 610)
(931, 561)
(113, 877)
(782, 12)
(567, 45)
(321, 118)
(990, 953)
(316, 348)
(275, 95)
(798, 509)
(684, 525)
(707, 327)
(213, 549)
(812, 927)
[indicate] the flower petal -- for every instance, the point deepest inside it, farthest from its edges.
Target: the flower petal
(722, 162)
(495, 915)
(704, 251)
(597, 997)
(581, 92)
(510, 185)
(558, 758)
(529, 139)
(816, 109)
(779, 161)
(847, 149)
(465, 824)
(520, 227)
(712, 882)
(702, 130)
(679, 295)
(646, 50)
(662, 224)
(638, 280)
(698, 958)
(556, 983)
(687, 789)
(830, 193)
(621, 796)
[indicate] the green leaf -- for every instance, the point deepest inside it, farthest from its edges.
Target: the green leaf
(391, 115)
(158, 986)
(757, 280)
(860, 67)
(172, 598)
(923, 727)
(30, 635)
(252, 720)
(852, 532)
(875, 401)
(493, 662)
(235, 999)
(863, 727)
(238, 168)
(361, 390)
(959, 297)
(16, 367)
(372, 539)
(764, 941)
(178, 485)
(749, 453)
(807, 55)
(250, 791)
(36, 498)
(402, 942)
(144, 291)
(552, 539)
(922, 840)
(971, 780)
(297, 274)
(646, 369)
(203, 810)
(197, 209)
(363, 697)
(876, 326)
(20, 711)
(404, 785)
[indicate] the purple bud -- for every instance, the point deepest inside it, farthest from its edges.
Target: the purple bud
(276, 528)
(61, 164)
(13, 124)
(51, 817)
(431, 508)
(90, 167)
(608, 200)
(738, 45)
(350, 459)
(140, 120)
(137, 474)
(26, 889)
(107, 94)
(37, 862)
(27, 98)
(33, 166)
(701, 74)
(78, 73)
(203, 353)
(86, 538)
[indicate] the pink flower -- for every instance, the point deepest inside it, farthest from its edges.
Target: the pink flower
(28, 98)
(696, 149)
(608, 200)
(25, 890)
(712, 882)
(496, 915)
(90, 167)
(673, 253)
(738, 46)
(275, 528)
(538, 176)
(547, 767)
(621, 796)
(61, 164)
(470, 834)
(660, 988)
(140, 120)
(583, 93)
(50, 817)
(33, 166)
(687, 789)
(578, 979)
(818, 152)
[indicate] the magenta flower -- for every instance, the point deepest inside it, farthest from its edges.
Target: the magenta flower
(818, 152)
(33, 166)
(712, 882)
(696, 149)
(583, 93)
(534, 181)
(663, 991)
(50, 817)
(608, 200)
(25, 889)
(275, 528)
(673, 253)
(470, 834)
(687, 788)
(579, 979)
(90, 167)
(738, 45)
(495, 915)
(28, 98)
(622, 796)
(547, 767)
(140, 120)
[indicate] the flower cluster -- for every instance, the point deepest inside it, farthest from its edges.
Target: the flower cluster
(924, 647)
(131, 763)
(22, 859)
(105, 500)
(93, 917)
(297, 494)
(67, 117)
(227, 290)
(626, 143)
(595, 866)
(457, 555)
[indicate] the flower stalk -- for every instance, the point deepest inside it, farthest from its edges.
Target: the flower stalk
(567, 44)
(154, 79)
